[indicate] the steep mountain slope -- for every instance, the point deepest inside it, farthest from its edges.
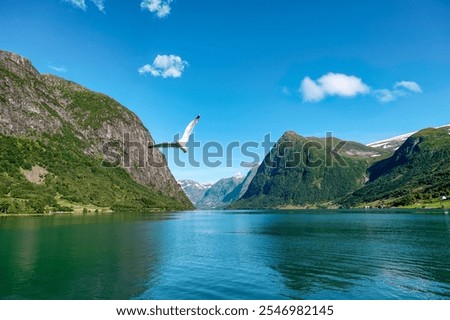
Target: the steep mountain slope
(194, 190)
(241, 188)
(418, 170)
(64, 147)
(303, 171)
(217, 196)
(224, 192)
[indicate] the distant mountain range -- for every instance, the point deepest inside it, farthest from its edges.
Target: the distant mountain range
(220, 194)
(194, 190)
(212, 196)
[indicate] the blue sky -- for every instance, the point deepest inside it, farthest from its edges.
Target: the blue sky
(364, 70)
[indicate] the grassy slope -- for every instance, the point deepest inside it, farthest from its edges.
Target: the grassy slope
(74, 179)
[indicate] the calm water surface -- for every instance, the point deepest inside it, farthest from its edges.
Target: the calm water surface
(227, 255)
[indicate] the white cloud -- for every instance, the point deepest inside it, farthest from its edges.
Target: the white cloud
(332, 84)
(160, 7)
(81, 4)
(409, 85)
(342, 85)
(166, 66)
(58, 69)
(311, 91)
(400, 89)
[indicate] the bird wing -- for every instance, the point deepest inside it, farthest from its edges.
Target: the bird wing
(164, 145)
(189, 129)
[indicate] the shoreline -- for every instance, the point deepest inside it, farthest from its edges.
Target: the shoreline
(287, 208)
(52, 214)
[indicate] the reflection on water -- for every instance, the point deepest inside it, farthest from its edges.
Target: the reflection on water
(81, 257)
(369, 256)
(227, 255)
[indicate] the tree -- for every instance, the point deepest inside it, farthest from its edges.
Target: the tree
(4, 205)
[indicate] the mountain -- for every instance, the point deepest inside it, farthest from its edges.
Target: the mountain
(223, 192)
(418, 172)
(64, 147)
(194, 190)
(242, 187)
(394, 143)
(309, 172)
(296, 174)
(218, 195)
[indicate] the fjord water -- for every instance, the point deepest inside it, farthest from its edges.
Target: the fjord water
(227, 255)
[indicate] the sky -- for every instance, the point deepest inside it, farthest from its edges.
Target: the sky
(363, 70)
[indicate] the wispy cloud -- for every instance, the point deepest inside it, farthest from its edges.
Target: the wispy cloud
(285, 90)
(332, 84)
(400, 89)
(159, 7)
(100, 4)
(81, 4)
(166, 66)
(78, 3)
(58, 69)
(409, 85)
(385, 95)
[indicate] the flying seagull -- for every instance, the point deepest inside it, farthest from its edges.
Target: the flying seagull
(183, 141)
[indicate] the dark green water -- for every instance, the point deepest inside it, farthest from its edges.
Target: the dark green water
(227, 255)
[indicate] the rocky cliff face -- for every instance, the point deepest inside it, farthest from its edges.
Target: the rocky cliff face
(35, 106)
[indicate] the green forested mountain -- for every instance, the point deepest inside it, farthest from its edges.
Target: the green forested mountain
(308, 172)
(64, 147)
(418, 171)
